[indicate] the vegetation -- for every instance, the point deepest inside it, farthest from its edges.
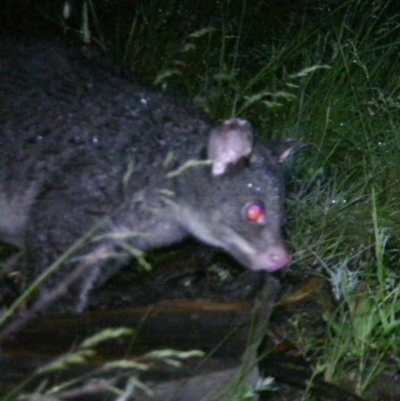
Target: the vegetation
(323, 72)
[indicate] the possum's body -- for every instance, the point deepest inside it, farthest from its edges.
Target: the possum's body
(83, 148)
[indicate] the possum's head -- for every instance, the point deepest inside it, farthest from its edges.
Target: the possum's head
(240, 206)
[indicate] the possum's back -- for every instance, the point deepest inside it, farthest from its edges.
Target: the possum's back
(61, 106)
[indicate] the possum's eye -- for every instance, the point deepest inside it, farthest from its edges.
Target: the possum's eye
(255, 211)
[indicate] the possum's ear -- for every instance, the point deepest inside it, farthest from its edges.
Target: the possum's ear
(229, 143)
(283, 150)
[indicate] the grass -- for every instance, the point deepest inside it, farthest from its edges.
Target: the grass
(332, 82)
(99, 379)
(330, 77)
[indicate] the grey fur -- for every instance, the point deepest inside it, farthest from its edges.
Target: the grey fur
(81, 144)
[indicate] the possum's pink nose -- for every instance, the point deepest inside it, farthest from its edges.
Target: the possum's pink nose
(274, 259)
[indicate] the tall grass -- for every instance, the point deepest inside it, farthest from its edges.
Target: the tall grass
(331, 78)
(326, 74)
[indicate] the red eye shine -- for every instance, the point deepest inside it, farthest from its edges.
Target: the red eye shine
(255, 212)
